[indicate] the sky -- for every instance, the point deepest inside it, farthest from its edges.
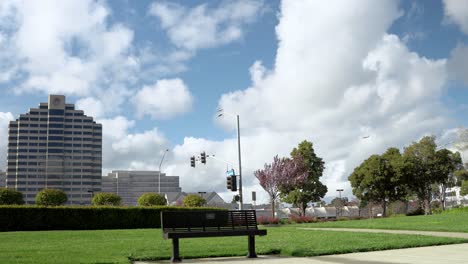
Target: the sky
(352, 77)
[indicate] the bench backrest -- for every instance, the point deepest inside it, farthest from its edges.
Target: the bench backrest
(208, 220)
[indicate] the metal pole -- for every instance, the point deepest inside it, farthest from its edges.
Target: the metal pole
(159, 174)
(241, 200)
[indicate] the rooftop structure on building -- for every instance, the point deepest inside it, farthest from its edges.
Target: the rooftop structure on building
(55, 146)
(130, 185)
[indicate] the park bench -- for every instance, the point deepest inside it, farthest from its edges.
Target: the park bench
(179, 224)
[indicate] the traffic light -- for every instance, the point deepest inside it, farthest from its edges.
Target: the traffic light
(203, 157)
(232, 183)
(192, 161)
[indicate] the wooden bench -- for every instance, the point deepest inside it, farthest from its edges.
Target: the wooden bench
(179, 224)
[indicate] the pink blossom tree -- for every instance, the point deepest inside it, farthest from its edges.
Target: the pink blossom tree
(281, 174)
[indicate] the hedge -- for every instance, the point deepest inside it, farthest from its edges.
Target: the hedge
(34, 218)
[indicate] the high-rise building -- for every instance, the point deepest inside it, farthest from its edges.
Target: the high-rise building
(55, 146)
(130, 185)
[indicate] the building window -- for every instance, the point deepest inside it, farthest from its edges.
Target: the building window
(56, 112)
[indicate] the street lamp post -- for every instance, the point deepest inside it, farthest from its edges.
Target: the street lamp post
(241, 199)
(341, 201)
(159, 171)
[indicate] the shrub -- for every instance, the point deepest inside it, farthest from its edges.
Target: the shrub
(302, 219)
(34, 218)
(108, 199)
(267, 220)
(418, 211)
(51, 197)
(151, 199)
(9, 196)
(193, 200)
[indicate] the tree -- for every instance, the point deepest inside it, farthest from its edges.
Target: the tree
(9, 197)
(109, 199)
(446, 163)
(282, 173)
(421, 169)
(464, 188)
(311, 189)
(378, 179)
(193, 200)
(151, 199)
(460, 175)
(338, 203)
(51, 197)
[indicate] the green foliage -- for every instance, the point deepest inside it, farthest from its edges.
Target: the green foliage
(464, 188)
(379, 178)
(425, 166)
(151, 199)
(312, 189)
(461, 175)
(33, 218)
(9, 196)
(109, 199)
(193, 200)
(51, 197)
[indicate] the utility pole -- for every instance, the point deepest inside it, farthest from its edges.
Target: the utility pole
(241, 199)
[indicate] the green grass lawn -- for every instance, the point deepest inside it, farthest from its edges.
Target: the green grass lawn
(116, 246)
(455, 220)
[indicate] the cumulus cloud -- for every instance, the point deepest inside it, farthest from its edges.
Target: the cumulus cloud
(457, 12)
(165, 99)
(5, 118)
(65, 47)
(203, 26)
(335, 81)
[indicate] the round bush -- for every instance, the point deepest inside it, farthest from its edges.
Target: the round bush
(193, 200)
(106, 199)
(51, 197)
(9, 196)
(150, 199)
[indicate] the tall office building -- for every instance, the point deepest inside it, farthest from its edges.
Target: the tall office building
(130, 185)
(55, 146)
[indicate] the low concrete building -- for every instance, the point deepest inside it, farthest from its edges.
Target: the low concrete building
(2, 179)
(130, 185)
(211, 198)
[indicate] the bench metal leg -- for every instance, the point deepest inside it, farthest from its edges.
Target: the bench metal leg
(175, 250)
(251, 247)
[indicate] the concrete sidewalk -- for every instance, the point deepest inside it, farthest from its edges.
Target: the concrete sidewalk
(453, 254)
(389, 231)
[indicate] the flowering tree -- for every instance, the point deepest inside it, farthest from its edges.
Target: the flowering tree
(281, 174)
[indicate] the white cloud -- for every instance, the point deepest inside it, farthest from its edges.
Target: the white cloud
(335, 81)
(64, 47)
(5, 119)
(93, 106)
(457, 12)
(165, 99)
(204, 27)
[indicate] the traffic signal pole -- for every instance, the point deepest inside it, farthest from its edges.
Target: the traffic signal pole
(241, 199)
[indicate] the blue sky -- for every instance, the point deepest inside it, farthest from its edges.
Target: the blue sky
(155, 72)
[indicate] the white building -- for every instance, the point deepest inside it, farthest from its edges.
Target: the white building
(130, 185)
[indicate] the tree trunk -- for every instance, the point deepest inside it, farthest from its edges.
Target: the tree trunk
(303, 207)
(443, 197)
(273, 208)
(384, 207)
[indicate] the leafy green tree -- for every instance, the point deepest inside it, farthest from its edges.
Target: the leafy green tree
(193, 200)
(312, 189)
(446, 163)
(151, 199)
(51, 197)
(378, 179)
(9, 196)
(460, 175)
(109, 199)
(464, 188)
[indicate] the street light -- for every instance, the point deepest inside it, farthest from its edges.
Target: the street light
(339, 190)
(241, 200)
(159, 171)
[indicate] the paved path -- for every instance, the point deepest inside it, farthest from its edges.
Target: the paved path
(451, 254)
(408, 232)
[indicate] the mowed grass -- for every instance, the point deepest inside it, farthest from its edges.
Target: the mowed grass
(119, 246)
(455, 220)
